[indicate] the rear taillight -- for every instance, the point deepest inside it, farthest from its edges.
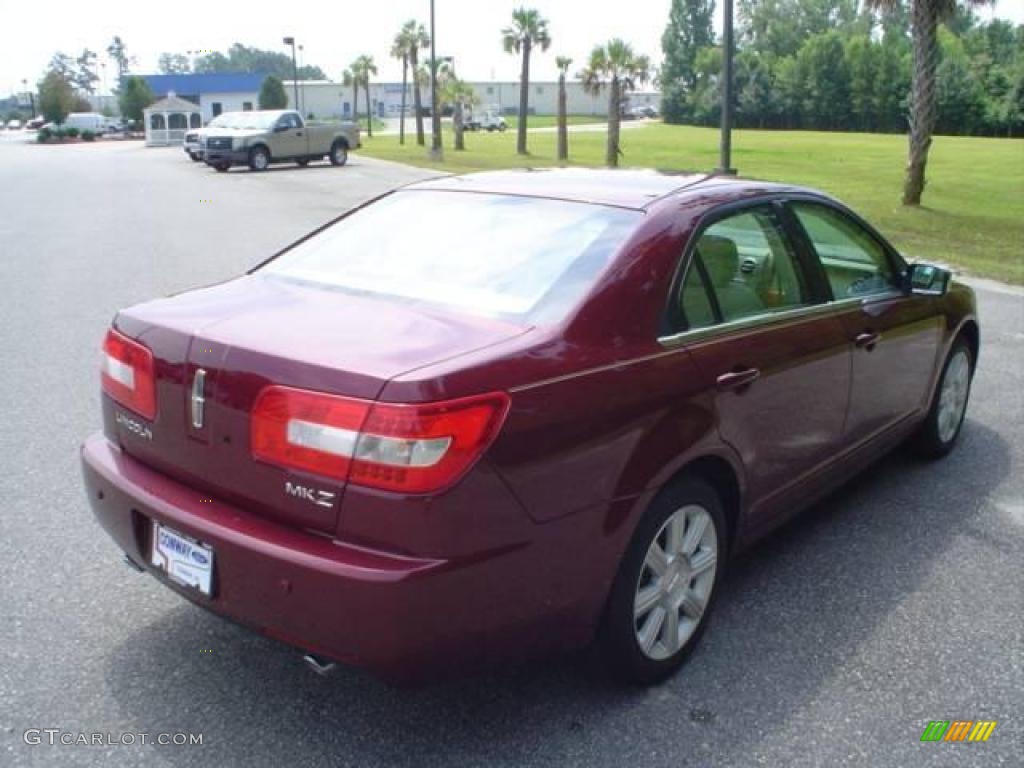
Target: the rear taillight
(417, 448)
(127, 374)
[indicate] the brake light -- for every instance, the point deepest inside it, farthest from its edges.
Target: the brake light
(414, 448)
(127, 374)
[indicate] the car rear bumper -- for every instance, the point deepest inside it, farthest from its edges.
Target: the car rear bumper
(383, 611)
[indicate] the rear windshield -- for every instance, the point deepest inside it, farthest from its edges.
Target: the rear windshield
(497, 255)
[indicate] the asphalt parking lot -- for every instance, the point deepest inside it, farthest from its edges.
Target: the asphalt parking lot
(896, 601)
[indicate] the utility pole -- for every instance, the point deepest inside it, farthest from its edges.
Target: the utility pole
(295, 72)
(436, 152)
(725, 153)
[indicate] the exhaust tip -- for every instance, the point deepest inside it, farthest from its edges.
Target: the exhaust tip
(321, 666)
(133, 565)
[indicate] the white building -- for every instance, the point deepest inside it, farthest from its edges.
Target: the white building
(325, 99)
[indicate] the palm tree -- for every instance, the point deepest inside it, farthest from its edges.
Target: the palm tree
(563, 63)
(348, 78)
(411, 38)
(400, 50)
(925, 16)
(362, 68)
(458, 93)
(617, 66)
(528, 29)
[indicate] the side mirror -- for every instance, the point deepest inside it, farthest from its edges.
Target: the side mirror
(927, 279)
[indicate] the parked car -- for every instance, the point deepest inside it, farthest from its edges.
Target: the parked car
(259, 138)
(86, 121)
(35, 123)
(194, 143)
(488, 120)
(393, 453)
(13, 125)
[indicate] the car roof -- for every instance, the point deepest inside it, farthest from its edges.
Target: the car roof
(635, 189)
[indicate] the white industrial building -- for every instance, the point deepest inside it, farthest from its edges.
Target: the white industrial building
(236, 92)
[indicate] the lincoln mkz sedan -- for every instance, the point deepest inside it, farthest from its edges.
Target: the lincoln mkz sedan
(510, 413)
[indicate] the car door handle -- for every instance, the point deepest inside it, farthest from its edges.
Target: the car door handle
(867, 340)
(735, 381)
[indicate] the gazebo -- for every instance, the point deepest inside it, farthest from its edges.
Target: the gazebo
(168, 119)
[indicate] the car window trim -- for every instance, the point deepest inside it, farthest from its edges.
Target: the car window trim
(761, 320)
(897, 263)
(672, 317)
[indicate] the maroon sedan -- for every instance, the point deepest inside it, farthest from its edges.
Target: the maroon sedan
(491, 415)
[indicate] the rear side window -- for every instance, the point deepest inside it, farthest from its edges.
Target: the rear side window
(855, 263)
(498, 255)
(745, 266)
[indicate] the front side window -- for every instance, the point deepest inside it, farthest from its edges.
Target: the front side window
(855, 263)
(498, 255)
(747, 267)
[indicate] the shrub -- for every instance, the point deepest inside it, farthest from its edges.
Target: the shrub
(71, 132)
(88, 135)
(44, 135)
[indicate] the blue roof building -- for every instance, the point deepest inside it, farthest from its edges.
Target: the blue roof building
(214, 92)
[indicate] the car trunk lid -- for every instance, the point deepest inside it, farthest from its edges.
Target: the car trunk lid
(215, 349)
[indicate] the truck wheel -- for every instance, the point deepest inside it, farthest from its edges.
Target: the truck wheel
(195, 157)
(339, 153)
(259, 158)
(222, 167)
(502, 127)
(302, 162)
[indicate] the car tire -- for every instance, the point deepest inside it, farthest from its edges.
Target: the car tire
(339, 153)
(302, 162)
(638, 640)
(502, 128)
(222, 167)
(259, 158)
(194, 156)
(939, 432)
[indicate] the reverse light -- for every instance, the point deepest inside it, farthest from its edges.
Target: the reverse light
(411, 448)
(127, 374)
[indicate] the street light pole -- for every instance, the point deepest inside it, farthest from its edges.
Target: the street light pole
(31, 96)
(725, 158)
(436, 152)
(295, 71)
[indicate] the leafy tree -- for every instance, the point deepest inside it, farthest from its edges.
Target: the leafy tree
(135, 96)
(528, 29)
(862, 63)
(119, 53)
(826, 81)
(616, 66)
(272, 93)
(56, 97)
(174, 64)
(362, 69)
(689, 29)
(243, 58)
(85, 77)
(925, 16)
(563, 63)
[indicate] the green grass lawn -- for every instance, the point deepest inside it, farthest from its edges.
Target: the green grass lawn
(973, 212)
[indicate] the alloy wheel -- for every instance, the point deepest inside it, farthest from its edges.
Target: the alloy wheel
(953, 395)
(675, 583)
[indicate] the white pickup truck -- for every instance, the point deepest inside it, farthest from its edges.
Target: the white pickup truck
(259, 138)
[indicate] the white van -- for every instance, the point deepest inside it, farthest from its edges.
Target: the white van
(86, 121)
